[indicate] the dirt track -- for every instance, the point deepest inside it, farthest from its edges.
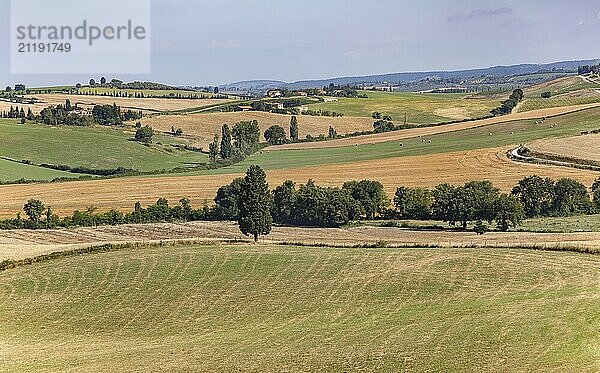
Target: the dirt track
(427, 131)
(22, 244)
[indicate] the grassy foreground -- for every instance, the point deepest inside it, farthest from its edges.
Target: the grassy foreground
(264, 308)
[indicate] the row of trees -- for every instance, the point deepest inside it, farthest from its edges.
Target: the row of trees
(249, 201)
(588, 69)
(508, 105)
(17, 113)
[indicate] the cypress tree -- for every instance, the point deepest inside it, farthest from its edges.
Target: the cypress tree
(226, 142)
(294, 129)
(254, 204)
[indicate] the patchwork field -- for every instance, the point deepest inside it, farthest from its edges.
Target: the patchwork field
(454, 157)
(265, 308)
(203, 127)
(91, 147)
(421, 108)
(427, 131)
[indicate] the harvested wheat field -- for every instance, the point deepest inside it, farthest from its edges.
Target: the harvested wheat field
(122, 193)
(301, 309)
(585, 147)
(22, 244)
(144, 104)
(427, 131)
(203, 127)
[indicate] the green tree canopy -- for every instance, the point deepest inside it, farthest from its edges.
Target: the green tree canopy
(255, 204)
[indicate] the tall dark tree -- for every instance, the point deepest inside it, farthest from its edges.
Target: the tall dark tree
(213, 149)
(68, 105)
(332, 133)
(92, 82)
(246, 136)
(226, 142)
(255, 204)
(103, 80)
(34, 209)
(294, 129)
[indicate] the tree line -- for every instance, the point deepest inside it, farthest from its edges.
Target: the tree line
(508, 105)
(255, 207)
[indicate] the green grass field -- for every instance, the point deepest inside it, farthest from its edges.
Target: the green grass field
(476, 138)
(92, 147)
(263, 308)
(420, 108)
(13, 171)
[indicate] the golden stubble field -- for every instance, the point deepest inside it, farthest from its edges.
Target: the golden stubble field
(203, 127)
(579, 147)
(427, 171)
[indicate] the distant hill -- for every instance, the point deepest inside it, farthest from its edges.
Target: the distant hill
(410, 77)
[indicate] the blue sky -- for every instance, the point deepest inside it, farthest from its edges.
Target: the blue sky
(220, 41)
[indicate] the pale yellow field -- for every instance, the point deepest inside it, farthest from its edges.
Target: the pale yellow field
(35, 108)
(148, 104)
(579, 147)
(427, 171)
(427, 131)
(22, 244)
(203, 127)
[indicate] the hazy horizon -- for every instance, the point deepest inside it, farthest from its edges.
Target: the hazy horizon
(208, 43)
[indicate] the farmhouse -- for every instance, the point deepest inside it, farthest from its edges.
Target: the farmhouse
(274, 93)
